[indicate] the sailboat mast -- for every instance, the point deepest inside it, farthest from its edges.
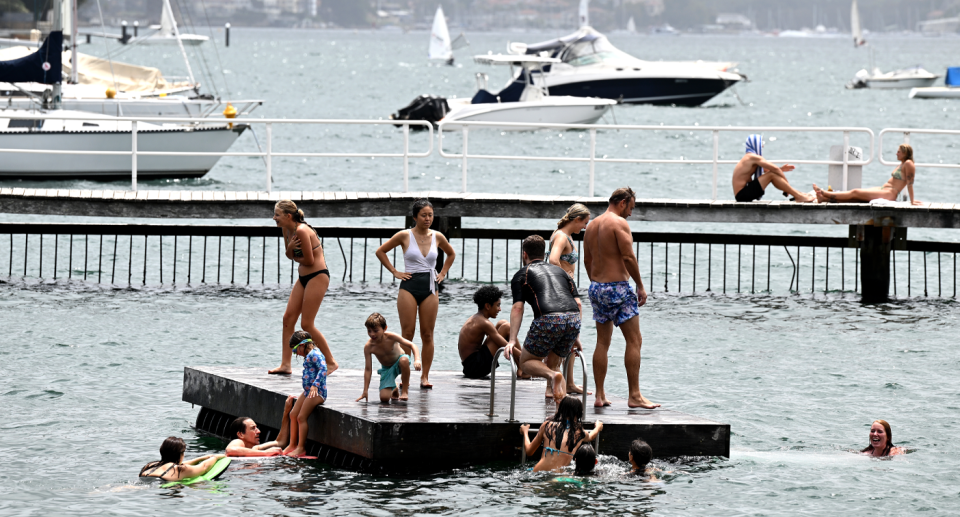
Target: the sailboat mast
(73, 42)
(57, 26)
(176, 32)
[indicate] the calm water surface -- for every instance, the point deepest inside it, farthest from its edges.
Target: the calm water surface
(92, 376)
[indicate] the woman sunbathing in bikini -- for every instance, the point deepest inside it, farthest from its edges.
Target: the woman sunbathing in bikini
(901, 177)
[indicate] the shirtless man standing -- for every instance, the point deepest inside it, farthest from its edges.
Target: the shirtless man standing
(752, 175)
(610, 263)
(480, 338)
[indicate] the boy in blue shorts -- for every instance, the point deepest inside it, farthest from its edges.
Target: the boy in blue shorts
(391, 350)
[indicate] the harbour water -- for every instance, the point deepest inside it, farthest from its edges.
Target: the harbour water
(92, 375)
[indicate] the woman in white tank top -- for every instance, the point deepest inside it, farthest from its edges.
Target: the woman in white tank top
(419, 281)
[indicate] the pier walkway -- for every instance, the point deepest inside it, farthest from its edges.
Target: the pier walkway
(259, 205)
(436, 429)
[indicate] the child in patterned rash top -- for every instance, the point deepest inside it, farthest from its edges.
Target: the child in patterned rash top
(314, 390)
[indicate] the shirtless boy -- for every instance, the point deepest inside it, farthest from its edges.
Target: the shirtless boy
(391, 350)
(480, 338)
(247, 436)
(610, 263)
(752, 175)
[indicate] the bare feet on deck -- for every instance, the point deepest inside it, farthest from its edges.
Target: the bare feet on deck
(281, 370)
(601, 400)
(642, 402)
(558, 386)
(822, 196)
(332, 366)
(290, 450)
(573, 388)
(396, 394)
(804, 198)
(425, 384)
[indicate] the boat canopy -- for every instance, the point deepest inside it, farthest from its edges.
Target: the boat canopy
(953, 76)
(42, 66)
(500, 59)
(584, 47)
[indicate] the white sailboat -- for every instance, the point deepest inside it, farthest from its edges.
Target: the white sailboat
(584, 13)
(440, 45)
(168, 33)
(631, 26)
(855, 28)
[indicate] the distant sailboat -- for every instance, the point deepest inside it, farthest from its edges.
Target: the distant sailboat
(584, 13)
(631, 26)
(169, 33)
(440, 45)
(855, 25)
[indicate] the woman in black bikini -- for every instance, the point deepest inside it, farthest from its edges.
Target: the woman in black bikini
(560, 435)
(303, 246)
(419, 281)
(171, 466)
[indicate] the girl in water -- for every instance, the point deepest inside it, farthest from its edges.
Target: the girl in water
(420, 279)
(314, 391)
(171, 466)
(561, 436)
(881, 441)
(902, 176)
(302, 246)
(564, 254)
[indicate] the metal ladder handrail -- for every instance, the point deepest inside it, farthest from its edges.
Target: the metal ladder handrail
(513, 384)
(565, 366)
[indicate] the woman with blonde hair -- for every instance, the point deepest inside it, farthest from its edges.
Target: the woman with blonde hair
(564, 254)
(901, 177)
(303, 247)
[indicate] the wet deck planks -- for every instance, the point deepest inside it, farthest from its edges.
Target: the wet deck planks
(443, 427)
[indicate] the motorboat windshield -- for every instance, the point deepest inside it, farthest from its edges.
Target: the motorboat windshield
(584, 47)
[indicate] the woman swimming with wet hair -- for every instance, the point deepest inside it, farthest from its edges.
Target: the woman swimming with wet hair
(881, 441)
(561, 435)
(302, 246)
(171, 457)
(420, 279)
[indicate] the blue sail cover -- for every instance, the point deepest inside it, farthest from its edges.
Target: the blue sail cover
(43, 66)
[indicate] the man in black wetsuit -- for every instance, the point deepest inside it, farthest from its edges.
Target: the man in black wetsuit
(556, 310)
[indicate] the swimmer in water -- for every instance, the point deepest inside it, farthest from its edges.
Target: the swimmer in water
(171, 466)
(247, 436)
(640, 455)
(881, 441)
(314, 391)
(391, 350)
(303, 247)
(585, 460)
(561, 436)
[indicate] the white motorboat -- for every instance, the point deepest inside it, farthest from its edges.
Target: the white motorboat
(590, 66)
(914, 77)
(84, 131)
(521, 101)
(168, 33)
(950, 89)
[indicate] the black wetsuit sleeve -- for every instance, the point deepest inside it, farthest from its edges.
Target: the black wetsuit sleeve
(516, 285)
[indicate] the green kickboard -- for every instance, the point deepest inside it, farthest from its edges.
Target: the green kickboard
(218, 468)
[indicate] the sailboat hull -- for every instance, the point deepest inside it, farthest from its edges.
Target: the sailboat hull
(100, 167)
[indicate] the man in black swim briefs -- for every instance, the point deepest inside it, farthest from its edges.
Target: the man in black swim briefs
(753, 173)
(246, 436)
(480, 338)
(556, 310)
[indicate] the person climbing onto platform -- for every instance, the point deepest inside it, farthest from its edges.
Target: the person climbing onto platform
(752, 174)
(314, 391)
(246, 435)
(561, 435)
(901, 177)
(480, 338)
(610, 264)
(303, 247)
(640, 455)
(393, 352)
(420, 281)
(556, 310)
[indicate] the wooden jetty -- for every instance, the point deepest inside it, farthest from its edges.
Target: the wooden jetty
(446, 427)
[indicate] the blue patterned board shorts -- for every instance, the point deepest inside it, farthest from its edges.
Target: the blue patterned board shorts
(615, 301)
(555, 333)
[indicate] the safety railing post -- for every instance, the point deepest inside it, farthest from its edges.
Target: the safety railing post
(593, 154)
(406, 157)
(846, 158)
(906, 137)
(716, 157)
(464, 162)
(269, 157)
(133, 155)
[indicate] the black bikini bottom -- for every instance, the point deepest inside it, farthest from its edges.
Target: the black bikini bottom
(305, 279)
(418, 285)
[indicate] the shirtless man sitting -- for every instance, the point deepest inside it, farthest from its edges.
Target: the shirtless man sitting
(480, 338)
(752, 175)
(610, 263)
(246, 436)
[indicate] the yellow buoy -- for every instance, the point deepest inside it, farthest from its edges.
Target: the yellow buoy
(111, 93)
(163, 94)
(230, 112)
